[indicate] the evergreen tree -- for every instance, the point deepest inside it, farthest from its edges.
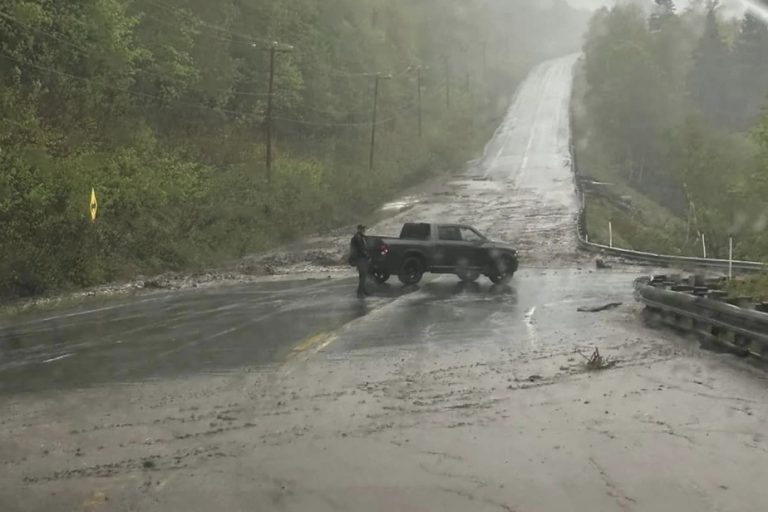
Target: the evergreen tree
(709, 79)
(662, 11)
(750, 92)
(160, 106)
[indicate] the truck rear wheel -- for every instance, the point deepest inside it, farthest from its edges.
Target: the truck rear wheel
(412, 270)
(381, 276)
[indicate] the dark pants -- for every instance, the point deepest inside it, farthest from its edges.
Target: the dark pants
(363, 266)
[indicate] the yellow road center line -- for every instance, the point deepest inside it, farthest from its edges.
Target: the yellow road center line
(312, 341)
(323, 339)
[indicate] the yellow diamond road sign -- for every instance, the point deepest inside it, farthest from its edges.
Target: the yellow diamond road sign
(94, 205)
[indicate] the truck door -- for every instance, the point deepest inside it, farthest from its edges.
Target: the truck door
(472, 253)
(449, 248)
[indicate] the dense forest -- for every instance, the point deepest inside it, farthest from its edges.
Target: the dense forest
(674, 101)
(161, 107)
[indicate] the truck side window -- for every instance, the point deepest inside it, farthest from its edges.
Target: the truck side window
(449, 234)
(415, 232)
(470, 235)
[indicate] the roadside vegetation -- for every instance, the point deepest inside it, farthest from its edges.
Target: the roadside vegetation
(755, 287)
(669, 112)
(161, 105)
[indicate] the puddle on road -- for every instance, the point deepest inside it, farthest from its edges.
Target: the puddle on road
(401, 205)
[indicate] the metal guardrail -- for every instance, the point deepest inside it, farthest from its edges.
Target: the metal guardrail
(739, 329)
(664, 260)
(695, 309)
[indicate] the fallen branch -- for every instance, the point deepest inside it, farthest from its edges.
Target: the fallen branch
(598, 362)
(598, 309)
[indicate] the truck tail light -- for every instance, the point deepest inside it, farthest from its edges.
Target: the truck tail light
(383, 249)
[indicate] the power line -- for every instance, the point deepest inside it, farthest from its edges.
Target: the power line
(337, 113)
(143, 95)
(7, 16)
(209, 26)
(114, 88)
(361, 124)
(78, 49)
(183, 103)
(249, 38)
(85, 52)
(270, 95)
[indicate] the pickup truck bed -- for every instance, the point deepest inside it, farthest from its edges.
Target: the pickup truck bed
(441, 249)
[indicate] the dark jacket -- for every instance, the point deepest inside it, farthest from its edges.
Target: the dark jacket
(358, 247)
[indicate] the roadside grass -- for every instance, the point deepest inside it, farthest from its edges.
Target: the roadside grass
(639, 222)
(646, 227)
(753, 286)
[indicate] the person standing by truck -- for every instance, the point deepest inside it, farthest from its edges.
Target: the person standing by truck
(360, 257)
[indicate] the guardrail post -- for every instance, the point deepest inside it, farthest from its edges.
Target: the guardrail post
(610, 234)
(730, 257)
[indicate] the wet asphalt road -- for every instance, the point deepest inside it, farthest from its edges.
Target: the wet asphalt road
(521, 191)
(437, 397)
(216, 330)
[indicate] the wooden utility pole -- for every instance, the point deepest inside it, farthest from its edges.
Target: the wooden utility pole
(485, 60)
(419, 86)
(377, 78)
(467, 81)
(419, 79)
(447, 84)
(274, 49)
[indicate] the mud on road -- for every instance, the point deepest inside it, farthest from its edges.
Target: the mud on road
(478, 426)
(440, 397)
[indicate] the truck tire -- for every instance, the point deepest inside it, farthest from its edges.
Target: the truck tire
(412, 270)
(381, 276)
(503, 271)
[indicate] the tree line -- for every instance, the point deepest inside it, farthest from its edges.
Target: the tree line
(676, 101)
(160, 106)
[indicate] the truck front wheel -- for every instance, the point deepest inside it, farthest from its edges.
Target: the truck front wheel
(412, 270)
(503, 271)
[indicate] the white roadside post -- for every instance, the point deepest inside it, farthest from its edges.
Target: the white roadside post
(704, 245)
(610, 234)
(730, 257)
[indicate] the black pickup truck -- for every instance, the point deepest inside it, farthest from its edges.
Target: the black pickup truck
(440, 249)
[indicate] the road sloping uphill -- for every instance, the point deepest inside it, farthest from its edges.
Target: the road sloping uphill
(294, 395)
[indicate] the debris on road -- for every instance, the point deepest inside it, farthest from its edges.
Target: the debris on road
(598, 362)
(598, 309)
(602, 265)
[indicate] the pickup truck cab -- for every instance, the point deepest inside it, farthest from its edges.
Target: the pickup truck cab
(441, 249)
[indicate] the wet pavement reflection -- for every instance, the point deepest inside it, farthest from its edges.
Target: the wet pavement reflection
(173, 334)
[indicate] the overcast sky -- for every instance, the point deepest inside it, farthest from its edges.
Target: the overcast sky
(594, 4)
(589, 4)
